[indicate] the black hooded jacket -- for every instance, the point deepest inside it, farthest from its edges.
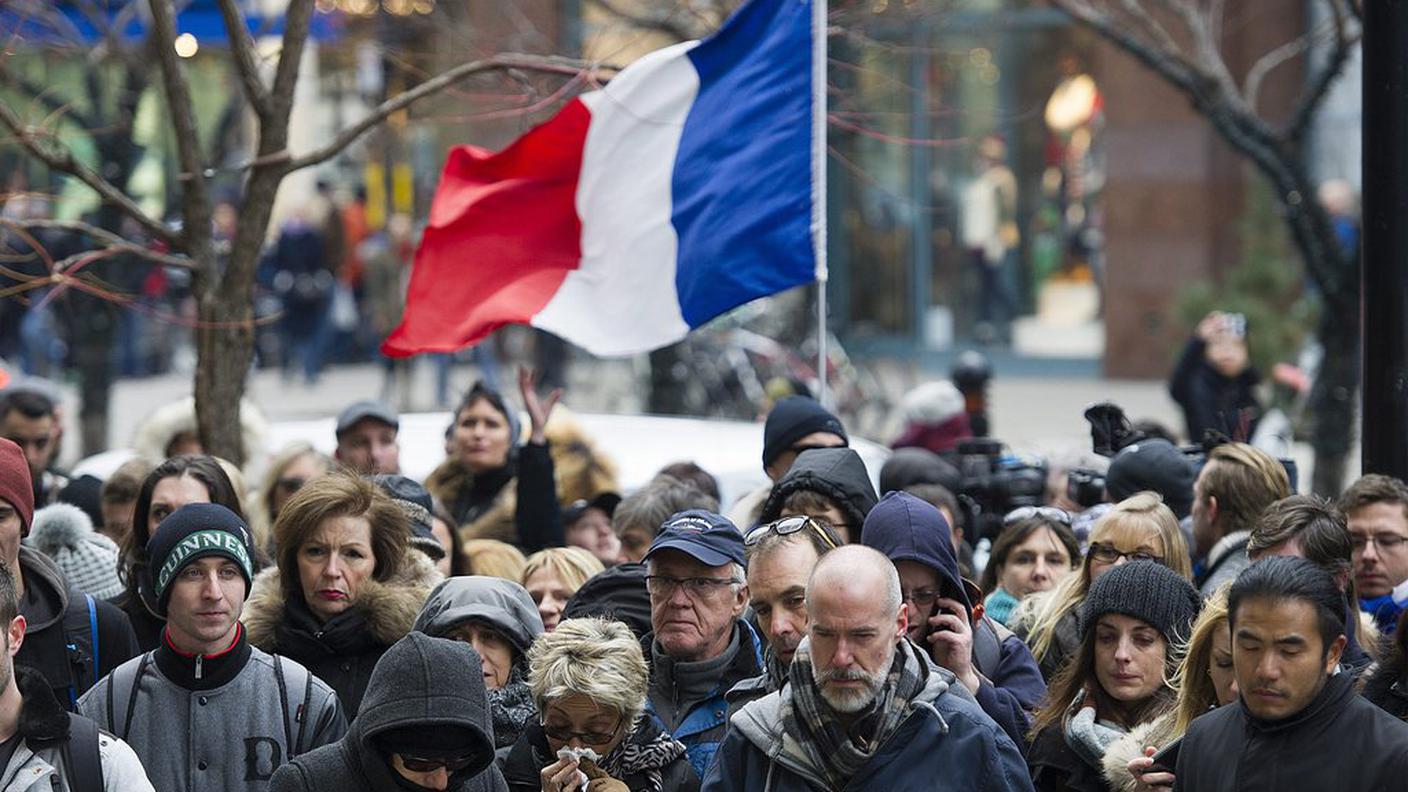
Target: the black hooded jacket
(838, 474)
(1340, 741)
(421, 682)
(1211, 400)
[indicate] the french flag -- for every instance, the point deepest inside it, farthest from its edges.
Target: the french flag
(692, 183)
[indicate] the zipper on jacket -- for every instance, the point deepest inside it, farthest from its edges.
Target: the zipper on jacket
(199, 658)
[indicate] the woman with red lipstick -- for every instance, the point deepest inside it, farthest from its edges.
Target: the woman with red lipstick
(1130, 622)
(347, 584)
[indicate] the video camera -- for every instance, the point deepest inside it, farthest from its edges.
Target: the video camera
(1110, 431)
(994, 483)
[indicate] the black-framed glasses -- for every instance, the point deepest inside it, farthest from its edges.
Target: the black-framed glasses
(1050, 513)
(564, 734)
(790, 525)
(428, 764)
(1109, 554)
(696, 587)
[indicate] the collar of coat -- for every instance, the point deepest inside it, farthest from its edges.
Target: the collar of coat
(389, 607)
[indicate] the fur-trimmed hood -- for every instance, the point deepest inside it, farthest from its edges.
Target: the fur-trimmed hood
(582, 471)
(389, 606)
(155, 433)
(1115, 765)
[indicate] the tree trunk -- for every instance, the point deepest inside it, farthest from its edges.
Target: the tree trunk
(224, 349)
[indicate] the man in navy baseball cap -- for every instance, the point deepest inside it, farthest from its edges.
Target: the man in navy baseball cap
(700, 646)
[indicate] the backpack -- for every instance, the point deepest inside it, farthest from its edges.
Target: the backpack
(83, 765)
(130, 682)
(80, 629)
(988, 636)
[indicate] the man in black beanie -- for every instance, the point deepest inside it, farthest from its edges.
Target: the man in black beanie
(205, 710)
(1155, 465)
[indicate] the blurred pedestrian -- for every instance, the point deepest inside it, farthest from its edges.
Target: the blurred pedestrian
(1215, 382)
(29, 418)
(367, 434)
(990, 234)
(795, 424)
(638, 518)
(294, 466)
(587, 524)
(118, 498)
(346, 586)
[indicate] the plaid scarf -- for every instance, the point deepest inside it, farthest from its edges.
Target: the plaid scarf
(839, 752)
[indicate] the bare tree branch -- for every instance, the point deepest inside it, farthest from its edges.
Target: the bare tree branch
(1346, 37)
(107, 237)
(46, 97)
(63, 161)
(195, 202)
(537, 63)
(1282, 54)
(242, 53)
(297, 19)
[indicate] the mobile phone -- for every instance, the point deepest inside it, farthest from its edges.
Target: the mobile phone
(1167, 758)
(1235, 325)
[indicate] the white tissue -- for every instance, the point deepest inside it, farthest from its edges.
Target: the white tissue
(568, 752)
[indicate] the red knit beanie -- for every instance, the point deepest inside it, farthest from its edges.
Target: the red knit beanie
(16, 486)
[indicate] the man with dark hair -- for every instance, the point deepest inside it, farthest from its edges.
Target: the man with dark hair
(780, 556)
(694, 475)
(366, 438)
(205, 710)
(38, 740)
(29, 418)
(1376, 511)
(1234, 487)
(64, 628)
(638, 516)
(1299, 723)
(795, 424)
(830, 484)
(1309, 527)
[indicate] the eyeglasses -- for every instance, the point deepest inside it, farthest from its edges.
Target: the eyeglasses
(695, 587)
(790, 525)
(1050, 513)
(1388, 543)
(1109, 554)
(565, 735)
(922, 598)
(426, 764)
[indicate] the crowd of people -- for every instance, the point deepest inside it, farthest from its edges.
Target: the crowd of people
(516, 621)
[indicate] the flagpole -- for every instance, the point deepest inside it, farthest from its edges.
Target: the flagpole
(819, 55)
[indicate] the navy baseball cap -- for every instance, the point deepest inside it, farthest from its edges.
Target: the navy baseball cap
(709, 538)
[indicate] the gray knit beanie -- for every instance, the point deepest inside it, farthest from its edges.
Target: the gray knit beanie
(1145, 590)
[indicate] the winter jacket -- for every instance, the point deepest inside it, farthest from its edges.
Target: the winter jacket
(701, 724)
(220, 722)
(1056, 767)
(420, 682)
(837, 473)
(945, 742)
(516, 503)
(1386, 686)
(37, 764)
(155, 433)
(1064, 643)
(1212, 401)
(58, 616)
(1339, 741)
(531, 754)
(343, 650)
(506, 607)
(1225, 562)
(618, 593)
(905, 528)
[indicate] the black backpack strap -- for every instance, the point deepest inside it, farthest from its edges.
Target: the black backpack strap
(115, 681)
(80, 627)
(83, 764)
(283, 698)
(301, 714)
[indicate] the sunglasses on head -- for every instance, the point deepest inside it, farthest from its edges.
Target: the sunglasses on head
(791, 525)
(1050, 513)
(426, 764)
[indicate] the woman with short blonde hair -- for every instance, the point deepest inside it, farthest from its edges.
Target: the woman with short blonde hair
(553, 575)
(1139, 527)
(589, 680)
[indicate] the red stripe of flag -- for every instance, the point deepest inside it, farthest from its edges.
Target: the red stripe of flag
(503, 235)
